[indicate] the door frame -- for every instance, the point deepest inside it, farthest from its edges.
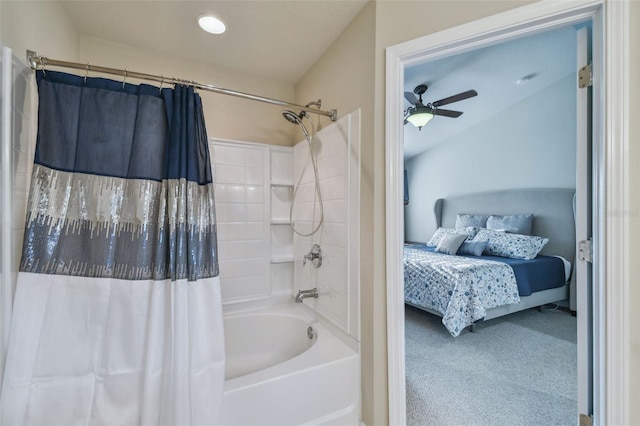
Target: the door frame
(610, 182)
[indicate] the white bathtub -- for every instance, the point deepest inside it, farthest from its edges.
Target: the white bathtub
(277, 375)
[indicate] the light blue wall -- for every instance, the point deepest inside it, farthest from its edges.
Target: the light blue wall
(531, 144)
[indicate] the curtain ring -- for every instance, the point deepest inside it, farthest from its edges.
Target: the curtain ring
(161, 82)
(125, 78)
(86, 73)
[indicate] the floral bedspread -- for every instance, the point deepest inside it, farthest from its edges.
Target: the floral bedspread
(460, 288)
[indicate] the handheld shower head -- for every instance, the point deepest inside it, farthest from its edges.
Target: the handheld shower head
(292, 117)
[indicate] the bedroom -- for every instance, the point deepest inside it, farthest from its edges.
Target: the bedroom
(518, 132)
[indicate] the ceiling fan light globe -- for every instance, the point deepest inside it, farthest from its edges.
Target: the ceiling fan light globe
(419, 119)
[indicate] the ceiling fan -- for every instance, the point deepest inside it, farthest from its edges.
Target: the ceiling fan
(419, 114)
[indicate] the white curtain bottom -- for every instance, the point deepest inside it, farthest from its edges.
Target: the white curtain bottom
(106, 351)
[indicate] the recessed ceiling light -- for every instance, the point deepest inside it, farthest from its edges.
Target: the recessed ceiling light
(211, 24)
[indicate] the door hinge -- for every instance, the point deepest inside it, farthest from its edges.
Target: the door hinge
(585, 250)
(585, 420)
(585, 76)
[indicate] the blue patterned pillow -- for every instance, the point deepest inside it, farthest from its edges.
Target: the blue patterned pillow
(515, 246)
(450, 243)
(474, 248)
(515, 223)
(464, 220)
(470, 232)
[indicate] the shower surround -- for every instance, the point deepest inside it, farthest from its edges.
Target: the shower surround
(261, 269)
(260, 257)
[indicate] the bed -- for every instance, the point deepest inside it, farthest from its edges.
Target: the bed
(465, 289)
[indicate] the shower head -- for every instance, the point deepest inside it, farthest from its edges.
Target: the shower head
(292, 117)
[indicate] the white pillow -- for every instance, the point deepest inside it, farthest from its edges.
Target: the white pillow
(470, 232)
(515, 246)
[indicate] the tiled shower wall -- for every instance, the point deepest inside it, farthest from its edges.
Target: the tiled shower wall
(338, 159)
(19, 120)
(241, 173)
(260, 256)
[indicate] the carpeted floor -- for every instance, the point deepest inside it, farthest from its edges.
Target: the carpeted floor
(519, 369)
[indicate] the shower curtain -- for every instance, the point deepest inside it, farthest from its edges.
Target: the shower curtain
(117, 313)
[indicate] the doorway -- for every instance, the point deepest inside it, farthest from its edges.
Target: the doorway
(528, 19)
(518, 132)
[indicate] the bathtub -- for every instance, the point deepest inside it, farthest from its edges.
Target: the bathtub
(284, 367)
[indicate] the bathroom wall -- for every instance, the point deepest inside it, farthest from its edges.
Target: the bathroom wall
(41, 26)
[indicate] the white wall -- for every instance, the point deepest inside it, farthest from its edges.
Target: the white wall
(531, 144)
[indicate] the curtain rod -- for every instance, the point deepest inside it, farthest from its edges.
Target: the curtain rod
(36, 62)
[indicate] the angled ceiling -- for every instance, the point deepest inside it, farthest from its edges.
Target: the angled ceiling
(274, 39)
(494, 73)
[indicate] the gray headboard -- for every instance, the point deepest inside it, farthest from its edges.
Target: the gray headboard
(552, 209)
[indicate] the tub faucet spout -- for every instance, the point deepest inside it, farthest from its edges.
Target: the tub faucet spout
(303, 294)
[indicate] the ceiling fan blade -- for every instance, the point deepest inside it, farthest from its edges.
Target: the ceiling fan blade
(455, 98)
(447, 113)
(411, 98)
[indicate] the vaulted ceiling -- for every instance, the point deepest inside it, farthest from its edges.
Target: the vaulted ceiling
(503, 75)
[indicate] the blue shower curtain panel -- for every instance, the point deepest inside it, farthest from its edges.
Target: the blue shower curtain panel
(122, 188)
(117, 315)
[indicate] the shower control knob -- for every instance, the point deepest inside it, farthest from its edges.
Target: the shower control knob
(315, 256)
